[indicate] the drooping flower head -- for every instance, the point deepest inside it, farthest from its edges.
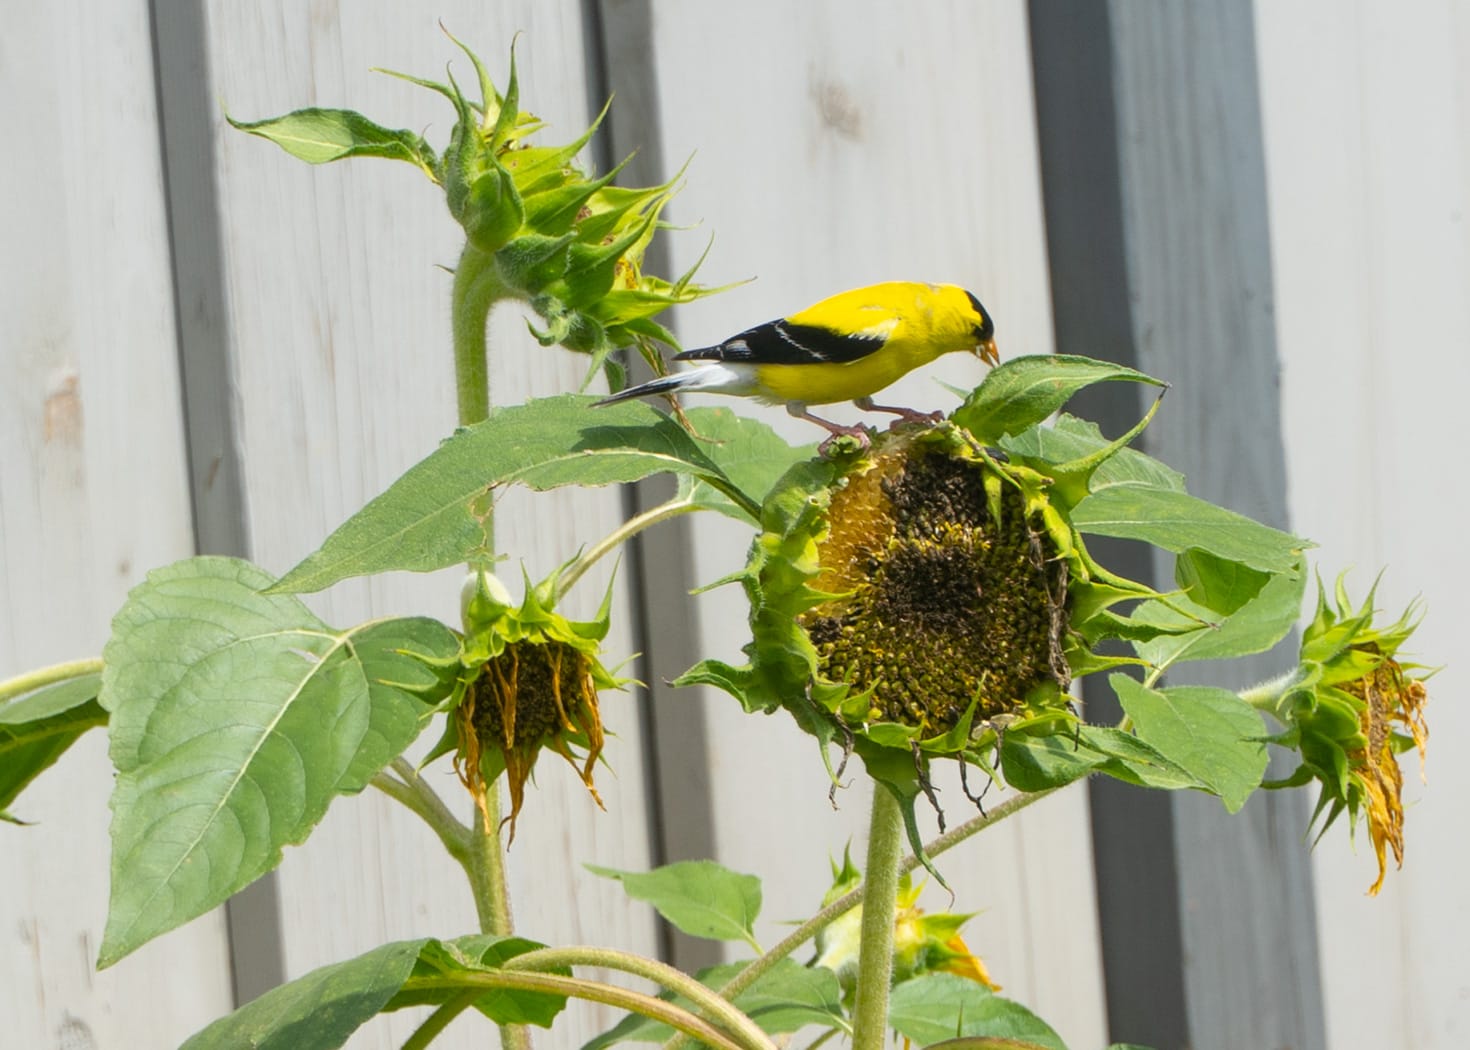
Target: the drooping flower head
(1351, 709)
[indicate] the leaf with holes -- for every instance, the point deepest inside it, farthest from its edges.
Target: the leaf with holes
(236, 718)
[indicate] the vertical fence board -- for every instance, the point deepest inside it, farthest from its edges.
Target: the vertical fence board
(93, 493)
(343, 377)
(1366, 110)
(830, 151)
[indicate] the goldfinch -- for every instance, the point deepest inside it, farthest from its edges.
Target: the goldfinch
(845, 348)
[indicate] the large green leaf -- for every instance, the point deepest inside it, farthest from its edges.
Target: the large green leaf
(1212, 733)
(1026, 390)
(747, 451)
(319, 136)
(321, 1010)
(700, 897)
(236, 718)
(940, 1006)
(1196, 632)
(36, 729)
(1035, 763)
(1070, 439)
(788, 997)
(1178, 522)
(435, 515)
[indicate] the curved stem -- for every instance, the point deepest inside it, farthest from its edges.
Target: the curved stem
(410, 790)
(593, 991)
(439, 1020)
(875, 951)
(712, 1006)
(477, 287)
(624, 532)
(43, 676)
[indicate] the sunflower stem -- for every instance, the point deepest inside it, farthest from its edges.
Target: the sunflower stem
(43, 676)
(875, 951)
(712, 1007)
(410, 790)
(477, 288)
(624, 532)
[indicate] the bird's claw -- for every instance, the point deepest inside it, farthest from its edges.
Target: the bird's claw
(834, 445)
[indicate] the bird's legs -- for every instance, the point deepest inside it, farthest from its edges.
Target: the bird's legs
(908, 415)
(837, 430)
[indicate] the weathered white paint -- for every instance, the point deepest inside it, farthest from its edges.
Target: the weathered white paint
(340, 331)
(831, 151)
(93, 493)
(1366, 108)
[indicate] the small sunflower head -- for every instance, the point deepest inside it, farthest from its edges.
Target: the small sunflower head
(532, 683)
(1352, 708)
(922, 942)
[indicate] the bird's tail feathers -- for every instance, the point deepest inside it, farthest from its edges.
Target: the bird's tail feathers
(710, 377)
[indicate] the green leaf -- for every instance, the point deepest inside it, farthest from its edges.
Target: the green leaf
(1254, 627)
(1070, 439)
(747, 451)
(1034, 763)
(436, 513)
(236, 718)
(698, 896)
(436, 979)
(318, 136)
(1212, 733)
(36, 730)
(787, 997)
(1026, 390)
(940, 1006)
(319, 1011)
(1178, 522)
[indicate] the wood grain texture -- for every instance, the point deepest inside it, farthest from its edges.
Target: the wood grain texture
(343, 378)
(1366, 109)
(837, 151)
(93, 493)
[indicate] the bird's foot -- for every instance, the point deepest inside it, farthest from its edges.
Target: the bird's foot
(845, 441)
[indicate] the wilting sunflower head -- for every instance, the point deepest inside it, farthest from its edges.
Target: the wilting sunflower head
(1352, 709)
(922, 942)
(532, 682)
(909, 599)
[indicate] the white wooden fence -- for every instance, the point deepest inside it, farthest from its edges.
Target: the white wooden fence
(211, 347)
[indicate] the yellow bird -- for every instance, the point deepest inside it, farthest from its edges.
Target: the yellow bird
(845, 348)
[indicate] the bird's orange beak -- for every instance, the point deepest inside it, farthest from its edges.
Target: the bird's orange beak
(987, 352)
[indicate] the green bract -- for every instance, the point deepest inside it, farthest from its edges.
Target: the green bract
(539, 228)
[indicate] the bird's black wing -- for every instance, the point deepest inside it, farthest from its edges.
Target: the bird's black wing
(784, 343)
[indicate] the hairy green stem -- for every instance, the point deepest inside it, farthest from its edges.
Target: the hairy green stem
(409, 789)
(875, 949)
(439, 1020)
(711, 1005)
(624, 532)
(43, 676)
(477, 288)
(593, 991)
(1268, 695)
